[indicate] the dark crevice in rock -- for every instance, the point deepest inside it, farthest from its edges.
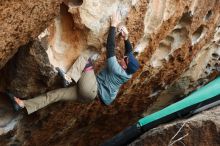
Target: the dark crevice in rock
(199, 34)
(76, 2)
(186, 19)
(208, 15)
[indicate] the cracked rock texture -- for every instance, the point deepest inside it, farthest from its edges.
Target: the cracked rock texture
(177, 43)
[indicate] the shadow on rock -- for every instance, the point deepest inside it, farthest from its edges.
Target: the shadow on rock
(8, 117)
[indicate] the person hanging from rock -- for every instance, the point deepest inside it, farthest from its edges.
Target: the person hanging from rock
(88, 86)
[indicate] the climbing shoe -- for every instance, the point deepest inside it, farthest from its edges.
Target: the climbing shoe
(15, 105)
(89, 66)
(62, 74)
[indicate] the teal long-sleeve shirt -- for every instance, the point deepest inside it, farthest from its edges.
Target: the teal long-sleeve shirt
(110, 80)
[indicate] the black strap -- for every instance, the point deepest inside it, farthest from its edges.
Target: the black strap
(125, 137)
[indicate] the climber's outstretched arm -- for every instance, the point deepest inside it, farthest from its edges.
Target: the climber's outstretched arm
(111, 36)
(112, 63)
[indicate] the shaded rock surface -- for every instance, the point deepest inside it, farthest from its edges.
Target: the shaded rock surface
(29, 69)
(177, 44)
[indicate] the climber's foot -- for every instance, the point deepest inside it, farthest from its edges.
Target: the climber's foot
(17, 103)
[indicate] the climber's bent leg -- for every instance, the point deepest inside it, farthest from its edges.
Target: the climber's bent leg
(87, 87)
(75, 71)
(43, 100)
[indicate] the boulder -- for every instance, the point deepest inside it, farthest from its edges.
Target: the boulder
(176, 42)
(202, 129)
(21, 21)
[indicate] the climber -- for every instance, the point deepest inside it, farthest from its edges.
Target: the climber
(105, 85)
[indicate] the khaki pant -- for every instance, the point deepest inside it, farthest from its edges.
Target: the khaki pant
(84, 91)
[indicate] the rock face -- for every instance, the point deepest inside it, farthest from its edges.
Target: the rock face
(202, 130)
(38, 71)
(177, 43)
(21, 21)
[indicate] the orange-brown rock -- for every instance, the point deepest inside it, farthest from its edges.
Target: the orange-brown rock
(177, 44)
(21, 21)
